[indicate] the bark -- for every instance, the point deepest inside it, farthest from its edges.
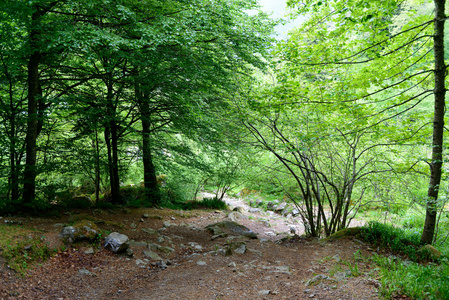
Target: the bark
(438, 124)
(111, 138)
(29, 175)
(152, 192)
(97, 167)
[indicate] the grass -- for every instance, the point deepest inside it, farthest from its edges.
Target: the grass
(416, 281)
(22, 247)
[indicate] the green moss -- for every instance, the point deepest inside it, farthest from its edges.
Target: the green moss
(353, 231)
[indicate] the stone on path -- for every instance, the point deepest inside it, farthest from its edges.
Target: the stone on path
(116, 242)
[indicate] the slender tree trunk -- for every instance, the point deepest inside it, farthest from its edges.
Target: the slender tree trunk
(29, 175)
(97, 167)
(438, 124)
(111, 139)
(14, 172)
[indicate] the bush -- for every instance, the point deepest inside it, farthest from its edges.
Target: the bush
(396, 240)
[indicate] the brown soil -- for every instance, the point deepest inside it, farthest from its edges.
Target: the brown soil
(268, 269)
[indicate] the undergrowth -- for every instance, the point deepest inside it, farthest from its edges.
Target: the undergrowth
(416, 281)
(425, 278)
(395, 240)
(22, 247)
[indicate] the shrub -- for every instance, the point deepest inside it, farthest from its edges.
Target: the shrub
(395, 240)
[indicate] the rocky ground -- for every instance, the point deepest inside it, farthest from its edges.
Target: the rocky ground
(176, 257)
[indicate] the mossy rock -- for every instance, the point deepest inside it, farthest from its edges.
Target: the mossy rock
(352, 231)
(82, 230)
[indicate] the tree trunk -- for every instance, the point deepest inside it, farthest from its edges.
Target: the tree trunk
(97, 167)
(152, 193)
(29, 175)
(438, 124)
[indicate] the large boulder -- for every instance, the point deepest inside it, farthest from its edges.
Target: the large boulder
(232, 227)
(82, 230)
(116, 242)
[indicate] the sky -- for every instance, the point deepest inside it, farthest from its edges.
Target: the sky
(277, 8)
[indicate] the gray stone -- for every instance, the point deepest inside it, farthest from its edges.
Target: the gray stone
(133, 243)
(140, 262)
(283, 269)
(85, 272)
(253, 210)
(116, 242)
(89, 251)
(152, 255)
(295, 212)
(149, 230)
(316, 279)
(270, 206)
(129, 252)
(279, 208)
(166, 250)
(264, 292)
(336, 258)
(167, 224)
(241, 249)
(218, 228)
(201, 263)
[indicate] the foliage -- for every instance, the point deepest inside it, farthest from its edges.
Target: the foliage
(413, 280)
(395, 240)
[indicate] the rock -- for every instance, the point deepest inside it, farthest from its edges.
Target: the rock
(167, 224)
(140, 262)
(236, 247)
(129, 252)
(221, 235)
(292, 230)
(241, 249)
(152, 255)
(149, 230)
(264, 292)
(83, 230)
(201, 263)
(342, 274)
(85, 272)
(161, 265)
(433, 251)
(279, 208)
(234, 227)
(259, 202)
(295, 212)
(253, 210)
(283, 269)
(239, 209)
(166, 250)
(336, 258)
(116, 242)
(89, 251)
(133, 243)
(270, 206)
(316, 279)
(235, 216)
(232, 265)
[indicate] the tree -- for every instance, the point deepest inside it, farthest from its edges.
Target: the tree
(385, 48)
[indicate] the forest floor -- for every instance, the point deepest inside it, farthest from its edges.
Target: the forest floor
(195, 267)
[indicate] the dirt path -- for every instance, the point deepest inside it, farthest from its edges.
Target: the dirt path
(199, 267)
